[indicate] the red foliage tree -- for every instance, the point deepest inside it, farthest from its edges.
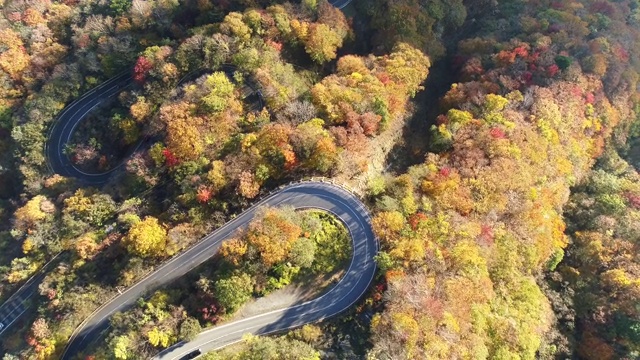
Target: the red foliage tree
(102, 162)
(621, 53)
(203, 195)
(521, 51)
(602, 7)
(290, 159)
(497, 133)
(505, 58)
(416, 219)
(383, 77)
(486, 235)
(169, 159)
(274, 44)
(553, 70)
(370, 122)
(633, 199)
(209, 312)
(141, 69)
(472, 69)
(445, 171)
(14, 16)
(576, 91)
(589, 98)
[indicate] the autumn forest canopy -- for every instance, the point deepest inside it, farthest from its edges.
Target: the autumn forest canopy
(496, 144)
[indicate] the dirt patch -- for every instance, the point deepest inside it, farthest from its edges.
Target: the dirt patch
(304, 290)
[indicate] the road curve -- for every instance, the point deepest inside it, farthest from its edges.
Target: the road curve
(64, 126)
(316, 195)
(340, 4)
(303, 195)
(62, 129)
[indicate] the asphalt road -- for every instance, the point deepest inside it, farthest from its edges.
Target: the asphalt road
(18, 303)
(315, 195)
(62, 129)
(64, 126)
(58, 162)
(339, 298)
(340, 4)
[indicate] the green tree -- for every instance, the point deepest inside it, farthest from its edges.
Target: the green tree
(310, 5)
(89, 206)
(267, 348)
(376, 185)
(234, 291)
(220, 90)
(120, 7)
(610, 204)
(563, 62)
(384, 261)
(189, 329)
(303, 252)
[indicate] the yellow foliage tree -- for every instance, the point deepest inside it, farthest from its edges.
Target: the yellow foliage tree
(146, 238)
(324, 155)
(29, 214)
(247, 185)
(158, 338)
(322, 43)
(216, 176)
(233, 250)
(14, 60)
(388, 225)
(407, 66)
(184, 140)
(140, 109)
(233, 25)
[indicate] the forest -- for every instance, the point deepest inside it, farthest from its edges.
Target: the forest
(496, 144)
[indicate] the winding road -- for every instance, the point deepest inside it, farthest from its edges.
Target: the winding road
(317, 195)
(68, 120)
(340, 4)
(348, 290)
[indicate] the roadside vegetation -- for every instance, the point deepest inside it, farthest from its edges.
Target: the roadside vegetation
(210, 152)
(595, 288)
(513, 237)
(104, 138)
(279, 247)
(267, 348)
(469, 235)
